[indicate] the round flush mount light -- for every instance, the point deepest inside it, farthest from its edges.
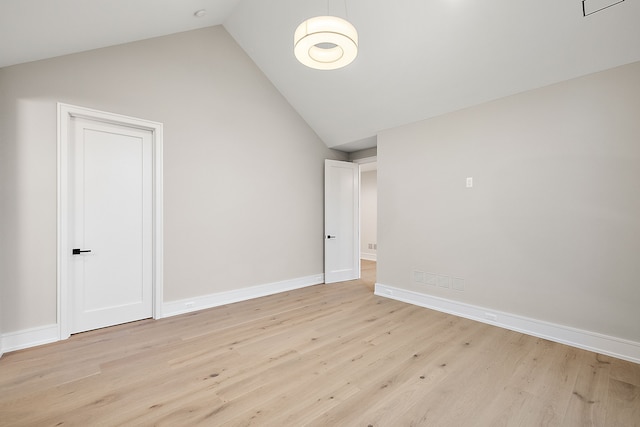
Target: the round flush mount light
(325, 43)
(200, 13)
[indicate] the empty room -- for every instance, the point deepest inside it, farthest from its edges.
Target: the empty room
(319, 213)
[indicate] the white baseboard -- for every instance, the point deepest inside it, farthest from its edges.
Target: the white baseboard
(174, 308)
(368, 257)
(587, 340)
(19, 340)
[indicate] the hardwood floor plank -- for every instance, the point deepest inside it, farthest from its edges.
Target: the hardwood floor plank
(456, 397)
(622, 370)
(623, 404)
(590, 393)
(319, 356)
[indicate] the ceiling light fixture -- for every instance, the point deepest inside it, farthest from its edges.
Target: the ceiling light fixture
(200, 13)
(325, 43)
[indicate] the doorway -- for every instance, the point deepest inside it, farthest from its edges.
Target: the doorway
(368, 211)
(109, 219)
(369, 220)
(350, 219)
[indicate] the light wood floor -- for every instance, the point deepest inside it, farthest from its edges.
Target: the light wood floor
(328, 355)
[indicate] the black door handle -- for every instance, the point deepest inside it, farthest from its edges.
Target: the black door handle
(78, 251)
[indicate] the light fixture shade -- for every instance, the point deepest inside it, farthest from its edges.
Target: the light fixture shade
(325, 43)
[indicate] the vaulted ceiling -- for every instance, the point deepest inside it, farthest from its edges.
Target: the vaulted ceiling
(417, 58)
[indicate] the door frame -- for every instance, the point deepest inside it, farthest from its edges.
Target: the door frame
(361, 162)
(66, 113)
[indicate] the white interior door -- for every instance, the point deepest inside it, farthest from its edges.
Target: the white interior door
(341, 221)
(111, 224)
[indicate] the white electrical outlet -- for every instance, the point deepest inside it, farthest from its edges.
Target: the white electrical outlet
(418, 276)
(469, 181)
(491, 316)
(431, 279)
(458, 284)
(444, 281)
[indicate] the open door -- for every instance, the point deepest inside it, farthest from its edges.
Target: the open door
(341, 221)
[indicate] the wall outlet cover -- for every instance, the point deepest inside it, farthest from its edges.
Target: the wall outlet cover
(458, 284)
(444, 281)
(431, 279)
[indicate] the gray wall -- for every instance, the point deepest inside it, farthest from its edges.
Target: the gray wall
(243, 172)
(363, 154)
(551, 228)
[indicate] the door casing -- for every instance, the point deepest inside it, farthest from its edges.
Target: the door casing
(65, 114)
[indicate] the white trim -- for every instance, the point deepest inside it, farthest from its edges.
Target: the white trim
(368, 257)
(587, 340)
(65, 113)
(158, 221)
(51, 333)
(32, 337)
(174, 308)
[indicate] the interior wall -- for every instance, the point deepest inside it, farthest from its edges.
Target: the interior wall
(368, 215)
(550, 229)
(243, 173)
(363, 154)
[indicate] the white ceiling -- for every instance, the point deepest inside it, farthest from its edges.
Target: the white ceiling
(417, 58)
(38, 29)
